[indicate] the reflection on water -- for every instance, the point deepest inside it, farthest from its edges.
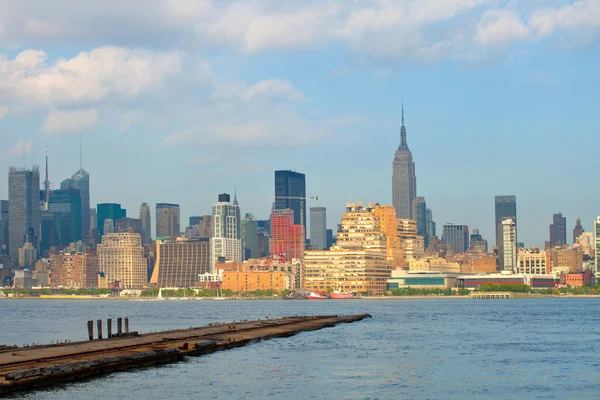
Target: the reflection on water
(416, 349)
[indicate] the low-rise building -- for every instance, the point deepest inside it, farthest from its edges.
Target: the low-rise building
(533, 261)
(242, 282)
(430, 263)
(421, 280)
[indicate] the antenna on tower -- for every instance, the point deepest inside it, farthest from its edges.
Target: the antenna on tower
(47, 182)
(24, 154)
(80, 151)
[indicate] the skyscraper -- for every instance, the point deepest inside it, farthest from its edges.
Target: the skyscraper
(558, 230)
(404, 180)
(287, 238)
(420, 215)
(179, 262)
(146, 219)
(431, 231)
(291, 184)
(318, 228)
(3, 226)
(508, 249)
(121, 258)
(249, 234)
(457, 236)
(81, 181)
(51, 228)
(506, 207)
(225, 242)
(67, 202)
(167, 220)
(578, 230)
(110, 211)
(23, 207)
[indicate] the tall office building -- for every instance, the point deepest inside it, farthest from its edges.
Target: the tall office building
(318, 228)
(457, 237)
(195, 220)
(249, 235)
(291, 184)
(420, 215)
(508, 248)
(51, 231)
(404, 180)
(3, 226)
(146, 219)
(93, 219)
(179, 261)
(225, 242)
(81, 181)
(578, 230)
(121, 258)
(431, 231)
(558, 230)
(506, 207)
(110, 211)
(287, 238)
(129, 225)
(67, 202)
(478, 243)
(23, 207)
(167, 220)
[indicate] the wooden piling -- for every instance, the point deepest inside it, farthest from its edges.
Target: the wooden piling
(119, 326)
(126, 324)
(109, 328)
(90, 326)
(99, 323)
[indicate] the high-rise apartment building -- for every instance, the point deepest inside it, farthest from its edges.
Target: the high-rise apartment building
(318, 228)
(80, 181)
(287, 238)
(109, 211)
(167, 220)
(457, 237)
(420, 215)
(505, 207)
(225, 242)
(179, 261)
(23, 207)
(597, 242)
(578, 230)
(67, 202)
(412, 244)
(74, 270)
(508, 245)
(404, 180)
(558, 230)
(121, 258)
(249, 234)
(290, 188)
(146, 218)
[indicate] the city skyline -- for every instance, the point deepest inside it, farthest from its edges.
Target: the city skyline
(490, 102)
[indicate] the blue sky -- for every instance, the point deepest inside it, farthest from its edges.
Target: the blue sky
(179, 100)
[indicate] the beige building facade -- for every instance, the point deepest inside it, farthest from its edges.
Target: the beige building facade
(533, 261)
(121, 258)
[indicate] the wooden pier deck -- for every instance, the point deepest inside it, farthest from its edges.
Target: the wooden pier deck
(33, 367)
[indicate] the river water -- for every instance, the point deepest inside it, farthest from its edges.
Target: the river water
(411, 349)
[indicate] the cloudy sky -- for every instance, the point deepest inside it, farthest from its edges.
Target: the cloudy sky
(179, 100)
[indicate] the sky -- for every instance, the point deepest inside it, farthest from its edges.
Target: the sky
(180, 100)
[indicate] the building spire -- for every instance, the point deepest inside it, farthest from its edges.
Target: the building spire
(403, 143)
(235, 202)
(46, 182)
(402, 113)
(80, 151)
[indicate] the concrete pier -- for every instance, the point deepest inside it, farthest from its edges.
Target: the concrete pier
(33, 367)
(492, 295)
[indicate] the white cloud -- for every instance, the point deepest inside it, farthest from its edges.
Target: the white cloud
(129, 118)
(498, 27)
(273, 89)
(70, 121)
(584, 14)
(19, 149)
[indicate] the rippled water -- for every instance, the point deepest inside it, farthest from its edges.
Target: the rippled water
(412, 349)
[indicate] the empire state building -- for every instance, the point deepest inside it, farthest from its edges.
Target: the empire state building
(404, 181)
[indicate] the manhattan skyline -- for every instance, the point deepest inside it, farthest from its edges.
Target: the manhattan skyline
(503, 102)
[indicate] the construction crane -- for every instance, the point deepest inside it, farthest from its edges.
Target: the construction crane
(302, 200)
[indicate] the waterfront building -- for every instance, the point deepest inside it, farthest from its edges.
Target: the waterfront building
(67, 202)
(404, 180)
(478, 243)
(318, 228)
(27, 255)
(473, 282)
(578, 230)
(578, 279)
(242, 282)
(457, 236)
(167, 220)
(121, 258)
(412, 245)
(23, 207)
(533, 261)
(397, 244)
(249, 234)
(506, 207)
(287, 238)
(80, 181)
(508, 245)
(74, 270)
(146, 220)
(290, 188)
(109, 211)
(402, 279)
(348, 270)
(430, 263)
(225, 242)
(564, 259)
(179, 261)
(431, 231)
(558, 230)
(597, 243)
(3, 226)
(420, 215)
